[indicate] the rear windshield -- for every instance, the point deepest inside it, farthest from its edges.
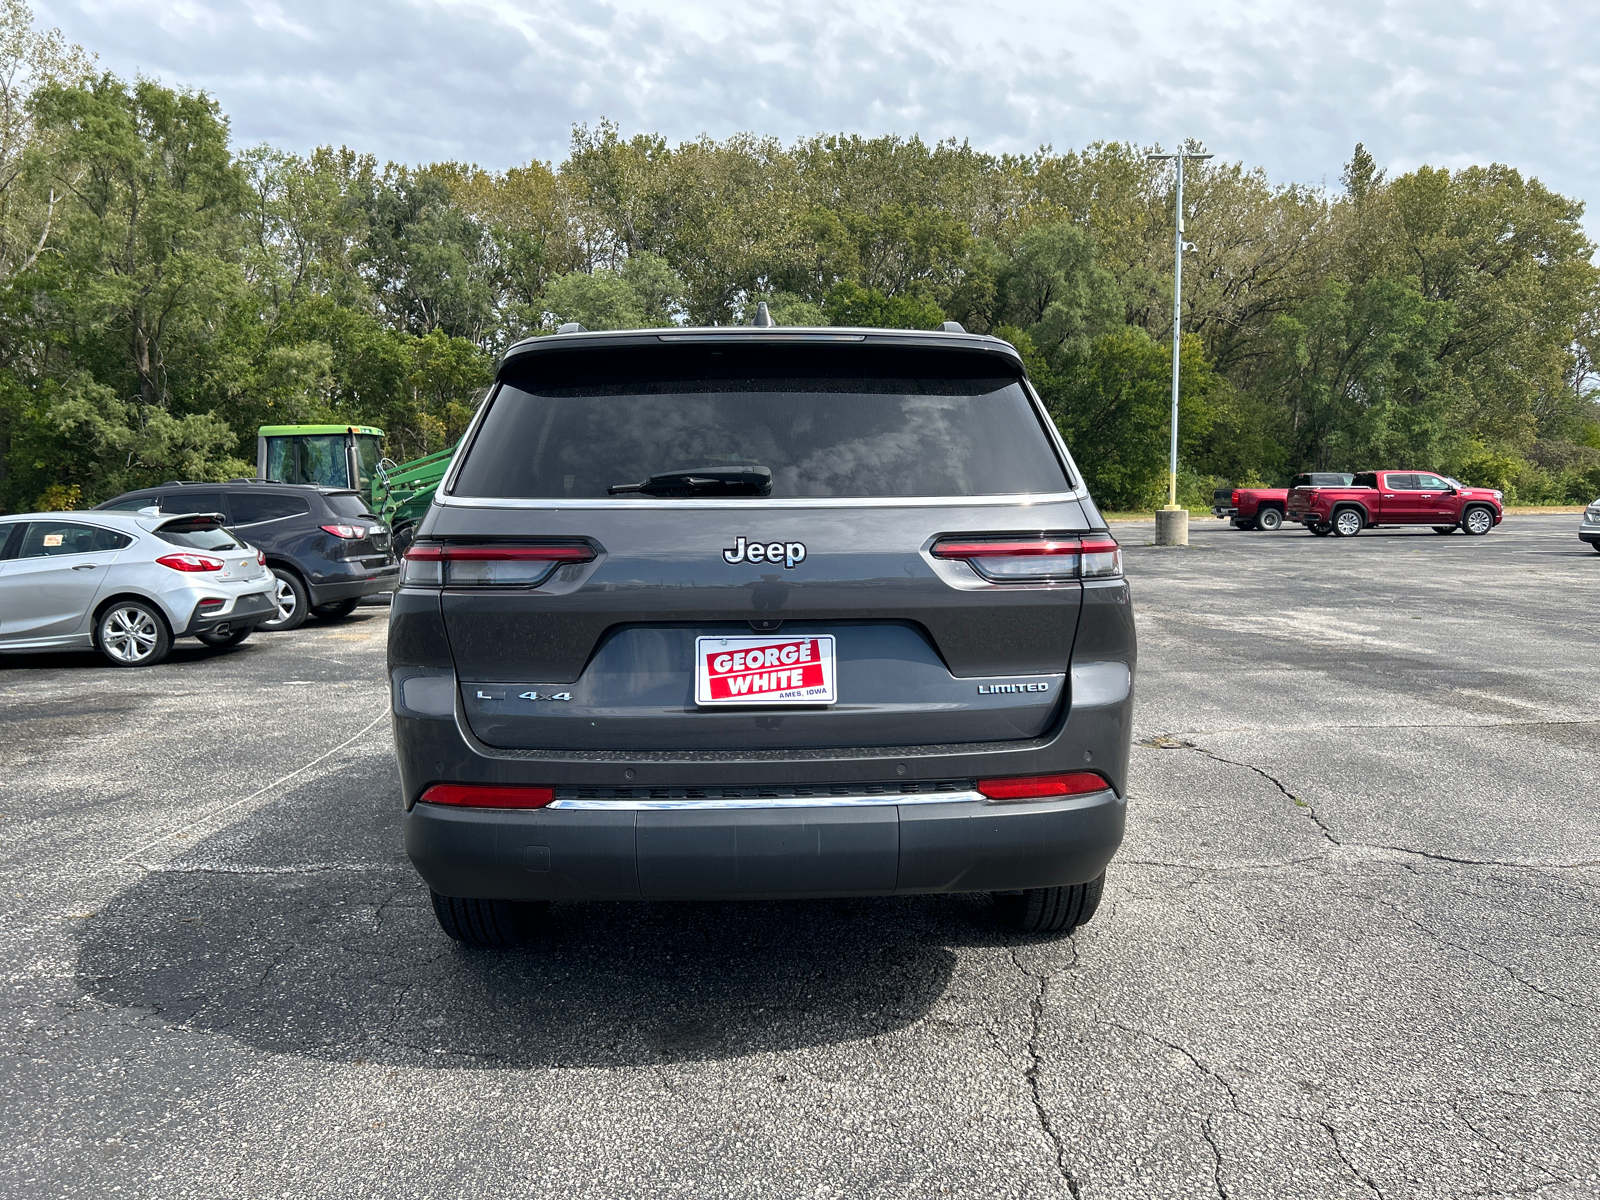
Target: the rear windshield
(347, 504)
(198, 535)
(1322, 479)
(855, 424)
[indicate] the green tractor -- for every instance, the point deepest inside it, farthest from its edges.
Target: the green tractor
(343, 456)
(348, 456)
(402, 492)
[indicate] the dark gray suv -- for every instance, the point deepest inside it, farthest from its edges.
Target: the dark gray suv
(757, 613)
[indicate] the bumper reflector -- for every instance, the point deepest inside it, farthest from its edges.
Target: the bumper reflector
(488, 795)
(1042, 787)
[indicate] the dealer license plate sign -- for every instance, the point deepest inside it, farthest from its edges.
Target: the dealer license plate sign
(764, 670)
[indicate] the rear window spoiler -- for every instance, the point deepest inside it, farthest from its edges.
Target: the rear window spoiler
(193, 523)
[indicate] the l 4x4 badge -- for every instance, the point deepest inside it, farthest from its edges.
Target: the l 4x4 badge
(790, 554)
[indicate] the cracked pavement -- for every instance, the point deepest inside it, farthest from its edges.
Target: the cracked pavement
(1348, 950)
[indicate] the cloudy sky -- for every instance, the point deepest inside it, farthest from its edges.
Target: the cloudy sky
(1288, 84)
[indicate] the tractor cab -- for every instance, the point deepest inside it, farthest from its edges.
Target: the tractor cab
(343, 456)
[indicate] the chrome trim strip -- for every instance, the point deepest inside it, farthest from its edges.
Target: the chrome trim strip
(1025, 500)
(774, 802)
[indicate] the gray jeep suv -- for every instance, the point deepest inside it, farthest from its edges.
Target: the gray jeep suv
(757, 613)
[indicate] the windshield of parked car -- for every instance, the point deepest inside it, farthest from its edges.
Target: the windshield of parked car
(842, 425)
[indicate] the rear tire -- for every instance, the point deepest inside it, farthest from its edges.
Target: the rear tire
(334, 609)
(132, 633)
(292, 600)
(1444, 528)
(1347, 523)
(402, 536)
(493, 924)
(1269, 519)
(1477, 521)
(1052, 909)
(218, 640)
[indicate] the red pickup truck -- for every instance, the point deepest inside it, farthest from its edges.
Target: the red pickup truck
(1263, 508)
(1395, 498)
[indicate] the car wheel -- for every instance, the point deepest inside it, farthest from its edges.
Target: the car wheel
(1347, 522)
(218, 640)
(334, 608)
(1444, 528)
(1052, 909)
(1320, 530)
(1269, 519)
(132, 633)
(292, 600)
(1477, 521)
(489, 923)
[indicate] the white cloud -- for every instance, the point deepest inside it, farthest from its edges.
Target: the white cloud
(1291, 86)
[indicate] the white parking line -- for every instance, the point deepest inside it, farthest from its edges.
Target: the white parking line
(216, 812)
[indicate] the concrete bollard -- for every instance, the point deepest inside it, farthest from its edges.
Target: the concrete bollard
(1172, 526)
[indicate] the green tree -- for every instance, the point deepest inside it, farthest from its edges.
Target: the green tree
(1112, 404)
(851, 304)
(125, 309)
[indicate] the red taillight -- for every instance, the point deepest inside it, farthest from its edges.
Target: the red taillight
(261, 558)
(485, 795)
(489, 566)
(1042, 787)
(188, 561)
(1025, 560)
(349, 532)
(1236, 498)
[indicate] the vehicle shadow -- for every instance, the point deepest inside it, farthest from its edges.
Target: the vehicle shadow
(183, 651)
(342, 959)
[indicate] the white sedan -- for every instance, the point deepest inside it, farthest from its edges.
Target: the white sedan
(127, 584)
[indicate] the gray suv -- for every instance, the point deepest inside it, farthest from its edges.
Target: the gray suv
(760, 613)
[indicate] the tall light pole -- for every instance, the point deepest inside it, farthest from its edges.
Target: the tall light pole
(1170, 530)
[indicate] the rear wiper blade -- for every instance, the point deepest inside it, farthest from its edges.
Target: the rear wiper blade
(702, 481)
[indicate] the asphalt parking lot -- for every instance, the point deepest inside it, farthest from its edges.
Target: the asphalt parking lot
(1350, 949)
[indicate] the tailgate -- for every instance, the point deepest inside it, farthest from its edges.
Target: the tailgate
(602, 656)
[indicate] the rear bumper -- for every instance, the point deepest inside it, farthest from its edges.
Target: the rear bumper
(245, 612)
(1592, 536)
(708, 853)
(359, 581)
(1220, 512)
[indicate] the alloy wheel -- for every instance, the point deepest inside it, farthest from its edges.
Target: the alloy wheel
(1347, 523)
(283, 596)
(130, 634)
(1479, 521)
